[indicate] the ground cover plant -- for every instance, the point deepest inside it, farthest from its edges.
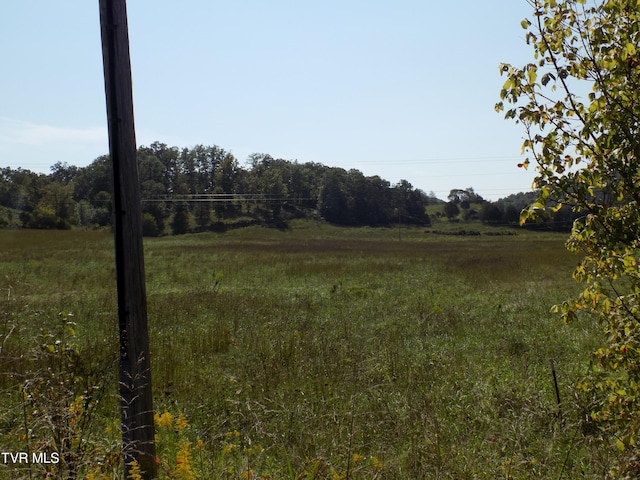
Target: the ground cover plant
(313, 352)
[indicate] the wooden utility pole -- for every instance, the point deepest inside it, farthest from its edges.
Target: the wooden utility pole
(136, 404)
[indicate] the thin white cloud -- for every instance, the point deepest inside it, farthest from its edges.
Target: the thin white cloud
(36, 146)
(19, 132)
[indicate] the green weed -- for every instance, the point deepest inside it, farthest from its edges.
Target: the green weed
(323, 352)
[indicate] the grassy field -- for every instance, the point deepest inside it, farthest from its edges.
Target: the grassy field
(316, 352)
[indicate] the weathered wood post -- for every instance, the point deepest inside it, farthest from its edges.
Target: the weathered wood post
(136, 405)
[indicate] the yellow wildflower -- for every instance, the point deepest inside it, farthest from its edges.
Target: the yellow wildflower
(254, 450)
(77, 406)
(228, 448)
(356, 458)
(164, 420)
(377, 464)
(134, 471)
(248, 474)
(337, 475)
(181, 422)
(183, 470)
(93, 476)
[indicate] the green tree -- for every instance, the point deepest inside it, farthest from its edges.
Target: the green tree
(180, 223)
(579, 103)
(333, 203)
(93, 183)
(304, 183)
(490, 213)
(510, 215)
(63, 173)
(269, 178)
(169, 158)
(225, 180)
(458, 195)
(153, 191)
(55, 208)
(411, 203)
(451, 210)
(368, 199)
(102, 202)
(85, 213)
(149, 225)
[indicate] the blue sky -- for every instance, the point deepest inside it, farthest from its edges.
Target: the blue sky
(402, 89)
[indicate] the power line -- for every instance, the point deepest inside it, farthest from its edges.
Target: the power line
(400, 161)
(436, 160)
(222, 198)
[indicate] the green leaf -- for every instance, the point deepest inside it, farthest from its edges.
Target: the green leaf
(587, 156)
(547, 77)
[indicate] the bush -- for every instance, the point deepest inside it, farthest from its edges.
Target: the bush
(149, 226)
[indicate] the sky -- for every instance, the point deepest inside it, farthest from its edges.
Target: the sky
(402, 89)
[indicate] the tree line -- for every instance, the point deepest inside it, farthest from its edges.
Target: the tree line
(204, 187)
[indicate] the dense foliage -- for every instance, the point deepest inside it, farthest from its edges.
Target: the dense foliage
(202, 187)
(205, 188)
(580, 105)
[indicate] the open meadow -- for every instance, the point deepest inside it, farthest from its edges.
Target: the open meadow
(316, 352)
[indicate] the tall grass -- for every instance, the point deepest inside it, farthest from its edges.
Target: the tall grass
(340, 353)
